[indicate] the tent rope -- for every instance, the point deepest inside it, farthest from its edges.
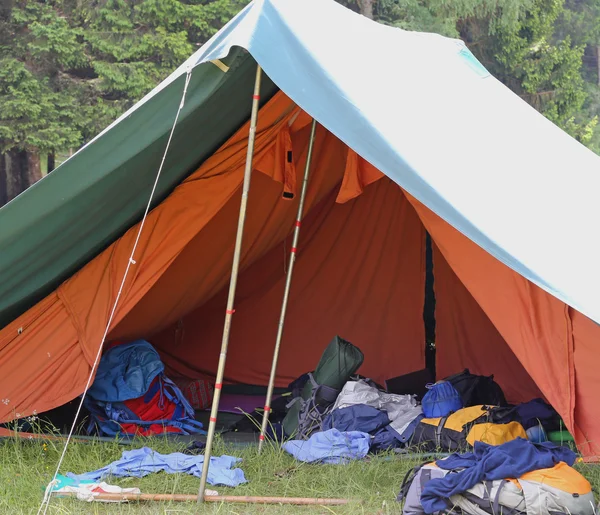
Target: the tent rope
(47, 494)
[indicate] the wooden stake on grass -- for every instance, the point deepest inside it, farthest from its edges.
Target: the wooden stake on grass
(232, 286)
(286, 292)
(308, 501)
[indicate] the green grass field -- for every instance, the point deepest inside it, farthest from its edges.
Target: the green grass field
(27, 466)
(371, 484)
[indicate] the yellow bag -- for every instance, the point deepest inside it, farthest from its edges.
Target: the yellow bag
(495, 434)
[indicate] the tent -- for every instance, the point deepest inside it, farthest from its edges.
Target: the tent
(414, 136)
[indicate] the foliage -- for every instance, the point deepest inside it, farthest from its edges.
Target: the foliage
(69, 67)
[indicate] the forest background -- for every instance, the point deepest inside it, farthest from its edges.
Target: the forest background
(70, 67)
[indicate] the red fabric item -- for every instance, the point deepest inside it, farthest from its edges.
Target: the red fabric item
(152, 410)
(198, 392)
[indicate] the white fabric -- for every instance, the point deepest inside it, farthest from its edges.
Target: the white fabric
(89, 491)
(401, 409)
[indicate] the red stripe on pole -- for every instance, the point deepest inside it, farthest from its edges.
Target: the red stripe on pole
(267, 408)
(212, 419)
(230, 311)
(218, 386)
(255, 97)
(261, 438)
(298, 224)
(294, 249)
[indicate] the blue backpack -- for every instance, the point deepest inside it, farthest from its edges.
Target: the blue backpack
(132, 395)
(441, 400)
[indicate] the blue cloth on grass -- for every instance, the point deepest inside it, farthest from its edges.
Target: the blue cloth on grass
(144, 461)
(488, 463)
(331, 446)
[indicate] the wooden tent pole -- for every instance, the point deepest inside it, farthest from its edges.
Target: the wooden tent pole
(232, 285)
(286, 292)
(210, 498)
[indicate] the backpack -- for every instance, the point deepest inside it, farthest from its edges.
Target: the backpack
(458, 431)
(313, 410)
(441, 400)
(559, 490)
(131, 395)
(476, 390)
(339, 362)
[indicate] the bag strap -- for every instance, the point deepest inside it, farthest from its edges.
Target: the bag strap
(407, 481)
(438, 431)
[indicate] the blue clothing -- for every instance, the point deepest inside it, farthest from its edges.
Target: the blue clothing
(358, 417)
(331, 446)
(144, 461)
(488, 463)
(385, 438)
(126, 372)
(367, 419)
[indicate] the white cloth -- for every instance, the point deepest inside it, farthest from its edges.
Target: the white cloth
(89, 491)
(401, 409)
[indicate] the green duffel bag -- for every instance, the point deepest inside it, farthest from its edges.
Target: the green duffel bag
(339, 361)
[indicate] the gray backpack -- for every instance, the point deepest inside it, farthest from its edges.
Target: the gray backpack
(560, 490)
(313, 410)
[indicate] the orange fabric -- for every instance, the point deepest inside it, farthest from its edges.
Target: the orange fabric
(358, 174)
(466, 338)
(562, 477)
(184, 259)
(90, 294)
(278, 162)
(587, 380)
(534, 324)
(70, 322)
(340, 286)
(41, 362)
(203, 267)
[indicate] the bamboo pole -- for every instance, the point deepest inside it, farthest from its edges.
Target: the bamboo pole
(288, 283)
(232, 285)
(211, 498)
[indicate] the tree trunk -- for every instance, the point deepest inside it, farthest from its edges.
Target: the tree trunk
(3, 181)
(598, 63)
(19, 169)
(51, 162)
(366, 8)
(32, 168)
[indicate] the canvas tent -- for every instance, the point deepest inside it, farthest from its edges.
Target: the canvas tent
(414, 136)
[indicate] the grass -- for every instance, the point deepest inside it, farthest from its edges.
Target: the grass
(372, 484)
(27, 466)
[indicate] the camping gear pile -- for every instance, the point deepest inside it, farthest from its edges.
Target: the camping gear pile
(518, 477)
(132, 395)
(453, 415)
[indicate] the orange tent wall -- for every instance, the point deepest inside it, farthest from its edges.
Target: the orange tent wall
(465, 337)
(360, 274)
(542, 331)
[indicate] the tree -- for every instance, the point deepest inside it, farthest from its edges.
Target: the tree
(541, 69)
(70, 67)
(37, 113)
